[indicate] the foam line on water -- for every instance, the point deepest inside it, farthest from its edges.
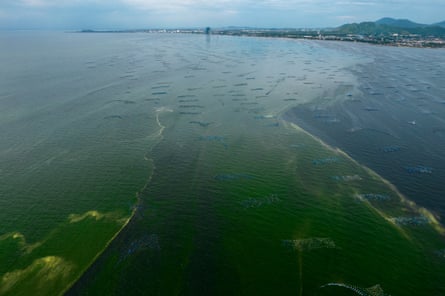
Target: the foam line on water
(423, 211)
(138, 205)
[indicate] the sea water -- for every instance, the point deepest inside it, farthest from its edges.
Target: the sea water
(161, 164)
(395, 123)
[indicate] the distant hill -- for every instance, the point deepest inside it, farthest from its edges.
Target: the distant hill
(387, 26)
(441, 24)
(365, 28)
(400, 23)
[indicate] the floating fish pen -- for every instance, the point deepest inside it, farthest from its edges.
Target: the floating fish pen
(374, 196)
(144, 243)
(200, 123)
(328, 160)
(113, 117)
(347, 178)
(191, 106)
(391, 148)
(371, 291)
(189, 113)
(410, 221)
(259, 202)
(233, 177)
(188, 100)
(310, 244)
(185, 96)
(420, 169)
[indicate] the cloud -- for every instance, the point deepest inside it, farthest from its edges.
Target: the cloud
(347, 18)
(356, 3)
(227, 5)
(40, 3)
(180, 13)
(64, 4)
(173, 5)
(35, 3)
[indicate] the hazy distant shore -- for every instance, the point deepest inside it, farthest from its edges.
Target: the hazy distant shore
(396, 40)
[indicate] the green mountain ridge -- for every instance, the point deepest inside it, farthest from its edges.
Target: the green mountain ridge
(387, 26)
(401, 23)
(441, 24)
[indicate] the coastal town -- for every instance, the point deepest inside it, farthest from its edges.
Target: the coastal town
(391, 39)
(386, 31)
(387, 39)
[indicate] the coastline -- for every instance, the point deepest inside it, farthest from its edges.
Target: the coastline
(316, 35)
(300, 34)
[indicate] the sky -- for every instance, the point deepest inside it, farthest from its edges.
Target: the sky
(141, 14)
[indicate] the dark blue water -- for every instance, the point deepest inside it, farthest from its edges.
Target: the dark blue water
(395, 124)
